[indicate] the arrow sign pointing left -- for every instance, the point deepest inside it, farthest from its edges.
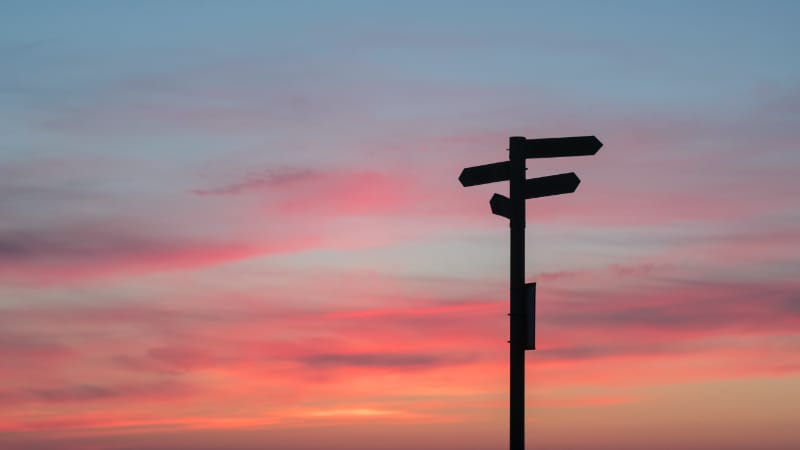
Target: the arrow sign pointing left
(553, 185)
(487, 173)
(501, 205)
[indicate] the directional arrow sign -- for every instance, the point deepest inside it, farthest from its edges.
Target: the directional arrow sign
(566, 146)
(487, 173)
(501, 205)
(553, 185)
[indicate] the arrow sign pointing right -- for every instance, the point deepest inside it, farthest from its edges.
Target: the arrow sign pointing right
(487, 173)
(566, 146)
(564, 183)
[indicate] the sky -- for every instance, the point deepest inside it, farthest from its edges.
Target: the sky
(238, 225)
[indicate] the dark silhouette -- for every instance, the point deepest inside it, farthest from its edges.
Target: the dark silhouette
(522, 295)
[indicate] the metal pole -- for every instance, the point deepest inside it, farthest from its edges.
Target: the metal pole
(517, 293)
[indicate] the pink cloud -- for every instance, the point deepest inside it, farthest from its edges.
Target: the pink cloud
(293, 192)
(297, 194)
(63, 254)
(87, 393)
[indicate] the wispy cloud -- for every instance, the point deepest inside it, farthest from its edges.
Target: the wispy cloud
(84, 393)
(269, 179)
(71, 253)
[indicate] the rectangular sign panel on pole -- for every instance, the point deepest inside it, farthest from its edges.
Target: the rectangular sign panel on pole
(530, 316)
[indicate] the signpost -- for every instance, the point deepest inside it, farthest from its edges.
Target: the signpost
(522, 295)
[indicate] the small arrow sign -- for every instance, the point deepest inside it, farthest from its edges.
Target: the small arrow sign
(487, 173)
(564, 183)
(556, 147)
(501, 205)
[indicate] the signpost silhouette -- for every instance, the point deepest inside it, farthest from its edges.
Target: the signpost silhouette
(522, 295)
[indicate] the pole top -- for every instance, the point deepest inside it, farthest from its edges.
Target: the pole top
(516, 140)
(516, 147)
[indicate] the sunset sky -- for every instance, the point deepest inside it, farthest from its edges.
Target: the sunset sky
(238, 225)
